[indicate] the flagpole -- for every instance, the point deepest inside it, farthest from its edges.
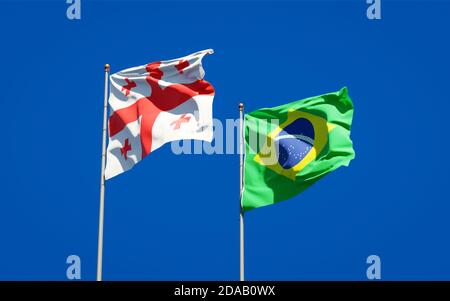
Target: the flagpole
(102, 181)
(241, 211)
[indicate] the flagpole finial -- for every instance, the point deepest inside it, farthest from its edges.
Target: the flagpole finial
(241, 106)
(106, 67)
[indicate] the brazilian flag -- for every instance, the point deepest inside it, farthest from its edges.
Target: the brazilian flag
(290, 147)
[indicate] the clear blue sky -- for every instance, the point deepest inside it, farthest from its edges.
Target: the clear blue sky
(176, 217)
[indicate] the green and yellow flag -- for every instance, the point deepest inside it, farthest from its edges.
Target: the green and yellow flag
(290, 147)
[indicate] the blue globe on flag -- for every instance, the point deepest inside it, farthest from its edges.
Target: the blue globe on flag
(294, 142)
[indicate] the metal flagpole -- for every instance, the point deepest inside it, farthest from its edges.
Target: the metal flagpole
(241, 211)
(102, 181)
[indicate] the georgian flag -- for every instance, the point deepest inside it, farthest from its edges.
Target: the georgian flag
(154, 104)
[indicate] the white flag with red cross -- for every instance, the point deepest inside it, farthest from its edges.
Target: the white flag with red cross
(154, 104)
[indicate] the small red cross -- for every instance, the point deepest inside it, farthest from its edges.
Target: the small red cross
(130, 85)
(126, 148)
(182, 64)
(177, 123)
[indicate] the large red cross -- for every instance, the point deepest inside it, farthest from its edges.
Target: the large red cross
(161, 99)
